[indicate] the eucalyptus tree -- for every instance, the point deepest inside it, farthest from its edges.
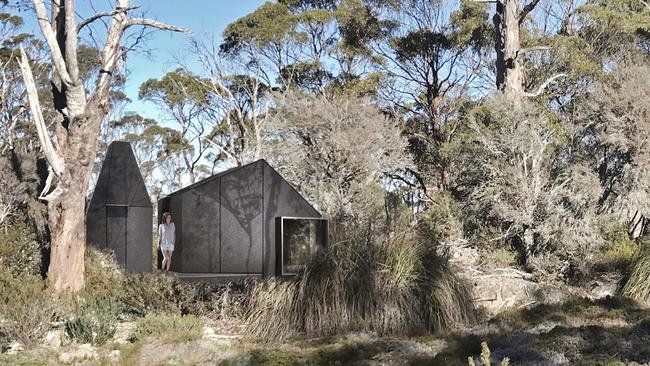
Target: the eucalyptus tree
(430, 53)
(79, 111)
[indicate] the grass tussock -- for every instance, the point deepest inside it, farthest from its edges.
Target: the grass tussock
(397, 285)
(168, 328)
(637, 286)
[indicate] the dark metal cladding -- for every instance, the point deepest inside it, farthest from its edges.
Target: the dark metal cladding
(120, 212)
(226, 223)
(280, 199)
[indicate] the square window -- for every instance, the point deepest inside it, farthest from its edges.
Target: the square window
(299, 238)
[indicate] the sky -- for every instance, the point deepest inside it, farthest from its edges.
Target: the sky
(202, 17)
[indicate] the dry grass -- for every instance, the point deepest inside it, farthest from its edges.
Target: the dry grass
(637, 286)
(398, 285)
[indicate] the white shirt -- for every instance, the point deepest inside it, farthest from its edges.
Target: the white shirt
(166, 234)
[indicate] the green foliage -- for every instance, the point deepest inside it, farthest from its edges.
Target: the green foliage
(619, 251)
(26, 308)
(395, 285)
(103, 277)
(498, 258)
(268, 25)
(178, 89)
(94, 320)
(168, 328)
(20, 251)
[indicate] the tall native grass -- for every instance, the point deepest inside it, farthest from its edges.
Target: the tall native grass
(397, 284)
(637, 286)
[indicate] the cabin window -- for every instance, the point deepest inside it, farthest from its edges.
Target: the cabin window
(299, 238)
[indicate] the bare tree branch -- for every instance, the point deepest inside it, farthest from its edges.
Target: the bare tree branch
(51, 154)
(85, 22)
(52, 44)
(155, 24)
(541, 88)
(527, 9)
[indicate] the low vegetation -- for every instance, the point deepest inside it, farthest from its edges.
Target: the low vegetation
(637, 286)
(168, 328)
(26, 308)
(395, 285)
(94, 320)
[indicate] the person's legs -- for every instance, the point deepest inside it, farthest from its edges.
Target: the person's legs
(164, 263)
(165, 259)
(169, 258)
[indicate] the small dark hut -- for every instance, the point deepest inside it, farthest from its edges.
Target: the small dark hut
(120, 212)
(246, 221)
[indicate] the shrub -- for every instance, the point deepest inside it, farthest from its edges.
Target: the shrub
(637, 286)
(222, 301)
(20, 252)
(485, 357)
(4, 342)
(148, 292)
(103, 277)
(498, 258)
(26, 308)
(95, 320)
(168, 328)
(398, 285)
(619, 252)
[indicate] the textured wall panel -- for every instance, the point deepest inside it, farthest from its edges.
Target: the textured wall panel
(138, 240)
(201, 227)
(96, 224)
(116, 217)
(109, 223)
(280, 199)
(241, 220)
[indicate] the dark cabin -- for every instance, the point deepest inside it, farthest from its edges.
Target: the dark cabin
(243, 222)
(120, 212)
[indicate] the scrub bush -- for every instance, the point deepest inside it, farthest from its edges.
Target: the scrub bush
(4, 342)
(168, 328)
(20, 252)
(619, 252)
(103, 277)
(94, 321)
(146, 292)
(398, 284)
(26, 308)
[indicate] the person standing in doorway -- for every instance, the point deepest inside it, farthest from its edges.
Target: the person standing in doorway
(166, 239)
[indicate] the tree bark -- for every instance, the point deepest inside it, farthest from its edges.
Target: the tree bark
(67, 207)
(510, 74)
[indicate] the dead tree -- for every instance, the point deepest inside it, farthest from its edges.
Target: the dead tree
(71, 154)
(507, 19)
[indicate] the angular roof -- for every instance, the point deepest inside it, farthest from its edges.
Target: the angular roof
(232, 170)
(120, 182)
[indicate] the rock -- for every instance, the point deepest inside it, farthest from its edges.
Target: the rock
(123, 332)
(605, 285)
(208, 332)
(114, 355)
(14, 347)
(81, 352)
(54, 338)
